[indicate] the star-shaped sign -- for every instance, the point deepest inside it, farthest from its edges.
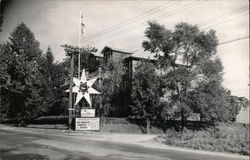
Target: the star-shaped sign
(83, 88)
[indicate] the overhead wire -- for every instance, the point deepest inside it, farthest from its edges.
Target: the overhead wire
(135, 27)
(224, 21)
(129, 21)
(211, 20)
(235, 12)
(223, 15)
(233, 40)
(134, 50)
(188, 6)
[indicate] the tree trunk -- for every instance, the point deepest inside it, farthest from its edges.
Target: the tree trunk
(148, 126)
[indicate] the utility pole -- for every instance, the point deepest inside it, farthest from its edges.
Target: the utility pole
(70, 89)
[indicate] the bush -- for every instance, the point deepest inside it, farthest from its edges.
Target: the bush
(114, 120)
(50, 120)
(232, 138)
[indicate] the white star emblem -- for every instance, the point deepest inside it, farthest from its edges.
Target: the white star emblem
(83, 88)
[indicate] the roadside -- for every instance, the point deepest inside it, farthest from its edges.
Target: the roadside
(132, 139)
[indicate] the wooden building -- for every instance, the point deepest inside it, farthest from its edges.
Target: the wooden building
(113, 55)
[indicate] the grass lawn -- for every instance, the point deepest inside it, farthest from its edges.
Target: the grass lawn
(231, 138)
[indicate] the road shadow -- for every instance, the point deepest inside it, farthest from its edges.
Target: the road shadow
(6, 154)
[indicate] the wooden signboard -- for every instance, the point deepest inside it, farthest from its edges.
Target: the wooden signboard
(87, 124)
(87, 112)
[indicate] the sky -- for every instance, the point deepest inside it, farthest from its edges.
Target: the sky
(56, 22)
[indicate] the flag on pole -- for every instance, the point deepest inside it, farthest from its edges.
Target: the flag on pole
(83, 28)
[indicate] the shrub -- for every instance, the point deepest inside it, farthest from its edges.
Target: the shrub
(50, 120)
(223, 137)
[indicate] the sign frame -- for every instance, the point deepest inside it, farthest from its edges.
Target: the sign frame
(87, 125)
(85, 112)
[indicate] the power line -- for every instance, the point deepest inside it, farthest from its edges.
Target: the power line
(136, 26)
(211, 20)
(145, 23)
(223, 15)
(129, 21)
(222, 43)
(234, 40)
(216, 18)
(222, 22)
(185, 7)
(188, 6)
(119, 33)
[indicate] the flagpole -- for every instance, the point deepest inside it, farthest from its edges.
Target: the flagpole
(79, 49)
(79, 44)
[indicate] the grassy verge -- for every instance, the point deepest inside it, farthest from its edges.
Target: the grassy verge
(231, 138)
(110, 125)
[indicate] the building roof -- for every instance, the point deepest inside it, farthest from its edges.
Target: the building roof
(133, 55)
(115, 49)
(97, 54)
(136, 58)
(144, 55)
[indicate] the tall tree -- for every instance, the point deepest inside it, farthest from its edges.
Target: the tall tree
(48, 79)
(84, 55)
(5, 62)
(49, 57)
(145, 93)
(24, 92)
(188, 59)
(111, 102)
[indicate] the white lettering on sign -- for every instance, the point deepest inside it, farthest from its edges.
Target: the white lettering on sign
(86, 124)
(87, 112)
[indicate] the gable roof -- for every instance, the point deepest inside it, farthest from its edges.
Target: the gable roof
(97, 54)
(142, 55)
(114, 49)
(138, 59)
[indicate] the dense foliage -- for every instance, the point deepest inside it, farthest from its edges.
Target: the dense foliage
(191, 72)
(21, 57)
(145, 93)
(113, 100)
(186, 79)
(30, 81)
(223, 137)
